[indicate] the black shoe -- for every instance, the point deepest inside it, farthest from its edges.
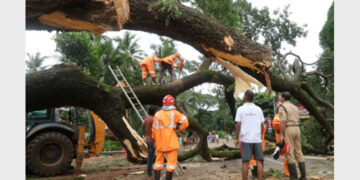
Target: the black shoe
(254, 172)
(156, 175)
(293, 171)
(302, 171)
(169, 175)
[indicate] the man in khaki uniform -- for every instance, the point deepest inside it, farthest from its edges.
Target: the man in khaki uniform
(290, 130)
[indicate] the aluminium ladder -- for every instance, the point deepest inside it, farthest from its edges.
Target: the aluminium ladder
(133, 99)
(129, 93)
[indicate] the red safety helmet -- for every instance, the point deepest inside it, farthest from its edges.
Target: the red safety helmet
(168, 100)
(180, 64)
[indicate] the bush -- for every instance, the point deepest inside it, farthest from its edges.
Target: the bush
(222, 134)
(110, 145)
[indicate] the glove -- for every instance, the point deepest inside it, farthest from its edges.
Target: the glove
(276, 153)
(279, 146)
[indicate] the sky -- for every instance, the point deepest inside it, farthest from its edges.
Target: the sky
(312, 13)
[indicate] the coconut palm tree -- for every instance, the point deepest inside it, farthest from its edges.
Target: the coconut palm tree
(129, 49)
(166, 48)
(33, 63)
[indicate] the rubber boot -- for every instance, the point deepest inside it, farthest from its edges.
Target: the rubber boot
(254, 171)
(144, 82)
(293, 171)
(156, 175)
(154, 81)
(302, 171)
(169, 175)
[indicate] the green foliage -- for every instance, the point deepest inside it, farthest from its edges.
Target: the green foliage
(275, 28)
(93, 55)
(263, 100)
(312, 134)
(322, 87)
(327, 33)
(222, 134)
(78, 47)
(168, 9)
(166, 48)
(224, 11)
(110, 145)
(34, 62)
(273, 172)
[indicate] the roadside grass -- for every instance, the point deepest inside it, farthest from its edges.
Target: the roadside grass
(273, 173)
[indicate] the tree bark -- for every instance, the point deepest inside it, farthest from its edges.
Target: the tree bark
(66, 85)
(191, 27)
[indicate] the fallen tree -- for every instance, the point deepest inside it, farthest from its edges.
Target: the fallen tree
(66, 85)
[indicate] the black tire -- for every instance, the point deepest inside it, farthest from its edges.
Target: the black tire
(49, 154)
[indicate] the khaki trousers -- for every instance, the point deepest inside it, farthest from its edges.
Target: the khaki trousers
(293, 137)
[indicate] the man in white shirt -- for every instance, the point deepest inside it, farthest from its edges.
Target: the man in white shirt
(249, 125)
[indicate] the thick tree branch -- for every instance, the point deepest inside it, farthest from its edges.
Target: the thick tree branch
(192, 27)
(66, 85)
(305, 74)
(280, 85)
(315, 97)
(278, 64)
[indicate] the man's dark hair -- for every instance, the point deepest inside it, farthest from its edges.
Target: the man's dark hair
(249, 96)
(153, 110)
(286, 95)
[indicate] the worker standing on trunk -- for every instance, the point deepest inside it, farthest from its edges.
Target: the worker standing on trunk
(290, 130)
(167, 63)
(147, 67)
(165, 135)
(276, 126)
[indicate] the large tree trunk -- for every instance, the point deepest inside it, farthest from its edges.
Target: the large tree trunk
(66, 85)
(191, 27)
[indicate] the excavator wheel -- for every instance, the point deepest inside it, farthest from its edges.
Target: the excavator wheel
(49, 154)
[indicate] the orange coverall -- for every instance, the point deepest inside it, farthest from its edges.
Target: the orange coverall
(253, 161)
(170, 60)
(166, 140)
(148, 67)
(276, 127)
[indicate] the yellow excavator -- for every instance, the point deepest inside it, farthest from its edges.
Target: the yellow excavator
(52, 143)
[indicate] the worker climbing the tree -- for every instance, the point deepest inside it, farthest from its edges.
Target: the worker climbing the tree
(168, 64)
(147, 67)
(276, 126)
(252, 162)
(164, 133)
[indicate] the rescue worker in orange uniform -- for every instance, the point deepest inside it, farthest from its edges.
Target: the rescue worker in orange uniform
(252, 163)
(147, 67)
(165, 135)
(276, 127)
(168, 64)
